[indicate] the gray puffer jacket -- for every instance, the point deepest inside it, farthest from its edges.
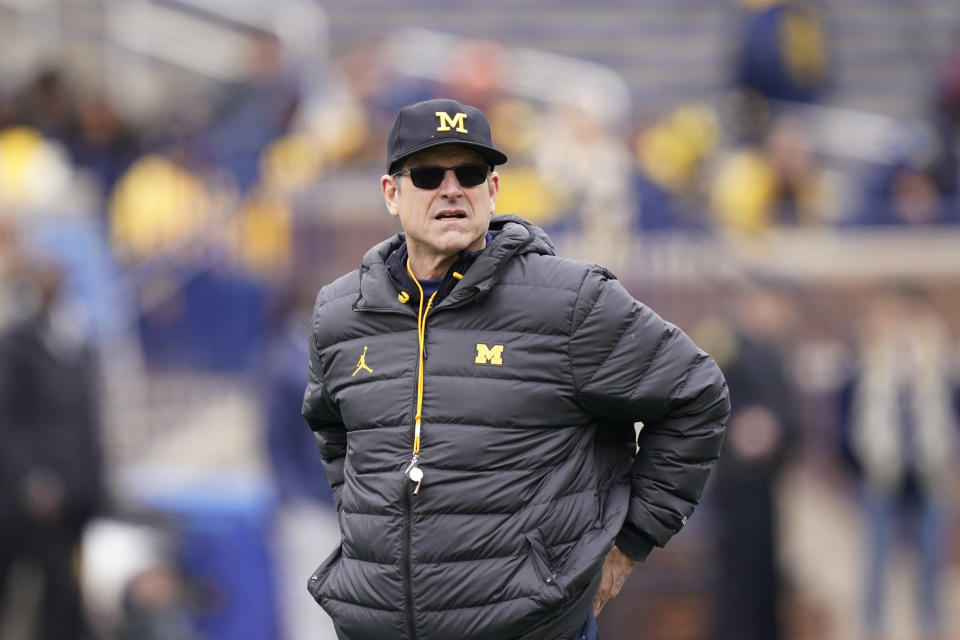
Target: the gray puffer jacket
(534, 369)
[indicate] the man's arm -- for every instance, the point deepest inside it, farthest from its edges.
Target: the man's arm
(630, 365)
(324, 420)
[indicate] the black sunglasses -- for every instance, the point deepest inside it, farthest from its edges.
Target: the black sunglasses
(430, 177)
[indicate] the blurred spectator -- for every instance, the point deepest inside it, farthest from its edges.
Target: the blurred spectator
(198, 307)
(254, 113)
(784, 53)
(50, 462)
(263, 229)
(35, 173)
(782, 56)
(903, 194)
(159, 203)
(946, 119)
(132, 586)
(762, 431)
(347, 124)
(328, 132)
(104, 144)
(475, 73)
(780, 183)
(527, 191)
(306, 520)
(910, 190)
(670, 159)
(155, 608)
(904, 438)
(591, 166)
(291, 162)
(48, 105)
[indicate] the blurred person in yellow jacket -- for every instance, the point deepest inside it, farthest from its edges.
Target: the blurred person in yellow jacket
(777, 183)
(157, 204)
(671, 158)
(34, 171)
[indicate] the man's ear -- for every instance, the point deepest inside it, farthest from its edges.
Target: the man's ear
(493, 185)
(391, 191)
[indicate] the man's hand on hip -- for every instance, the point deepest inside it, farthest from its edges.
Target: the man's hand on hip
(616, 567)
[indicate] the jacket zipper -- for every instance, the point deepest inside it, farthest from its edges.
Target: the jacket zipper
(405, 560)
(408, 491)
(406, 568)
(408, 478)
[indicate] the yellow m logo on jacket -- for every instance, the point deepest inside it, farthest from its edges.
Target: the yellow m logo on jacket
(488, 355)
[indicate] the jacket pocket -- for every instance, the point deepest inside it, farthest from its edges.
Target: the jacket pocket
(319, 577)
(551, 582)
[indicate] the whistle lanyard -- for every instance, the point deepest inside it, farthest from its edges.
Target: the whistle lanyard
(413, 472)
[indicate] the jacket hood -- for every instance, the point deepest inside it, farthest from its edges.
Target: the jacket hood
(515, 237)
(537, 242)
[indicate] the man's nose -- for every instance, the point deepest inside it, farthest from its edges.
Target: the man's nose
(450, 184)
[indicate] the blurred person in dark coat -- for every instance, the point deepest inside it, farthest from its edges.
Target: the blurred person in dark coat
(911, 189)
(50, 459)
(762, 431)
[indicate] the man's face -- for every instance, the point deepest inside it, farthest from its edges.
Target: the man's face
(442, 221)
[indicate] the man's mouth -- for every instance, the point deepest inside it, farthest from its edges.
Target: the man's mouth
(450, 215)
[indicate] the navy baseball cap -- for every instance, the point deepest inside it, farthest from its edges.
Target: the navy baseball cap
(432, 123)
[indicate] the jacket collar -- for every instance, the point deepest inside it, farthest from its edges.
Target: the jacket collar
(513, 236)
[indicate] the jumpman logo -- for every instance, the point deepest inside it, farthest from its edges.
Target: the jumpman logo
(362, 363)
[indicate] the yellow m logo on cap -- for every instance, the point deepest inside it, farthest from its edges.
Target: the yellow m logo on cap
(456, 122)
(487, 355)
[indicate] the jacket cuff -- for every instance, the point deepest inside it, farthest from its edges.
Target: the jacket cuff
(634, 543)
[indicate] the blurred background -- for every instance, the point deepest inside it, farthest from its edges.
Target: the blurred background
(179, 177)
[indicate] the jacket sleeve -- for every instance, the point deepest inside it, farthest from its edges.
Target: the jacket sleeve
(629, 365)
(324, 419)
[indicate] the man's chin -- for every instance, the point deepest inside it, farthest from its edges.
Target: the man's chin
(456, 241)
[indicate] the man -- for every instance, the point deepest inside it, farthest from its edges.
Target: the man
(51, 470)
(474, 399)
